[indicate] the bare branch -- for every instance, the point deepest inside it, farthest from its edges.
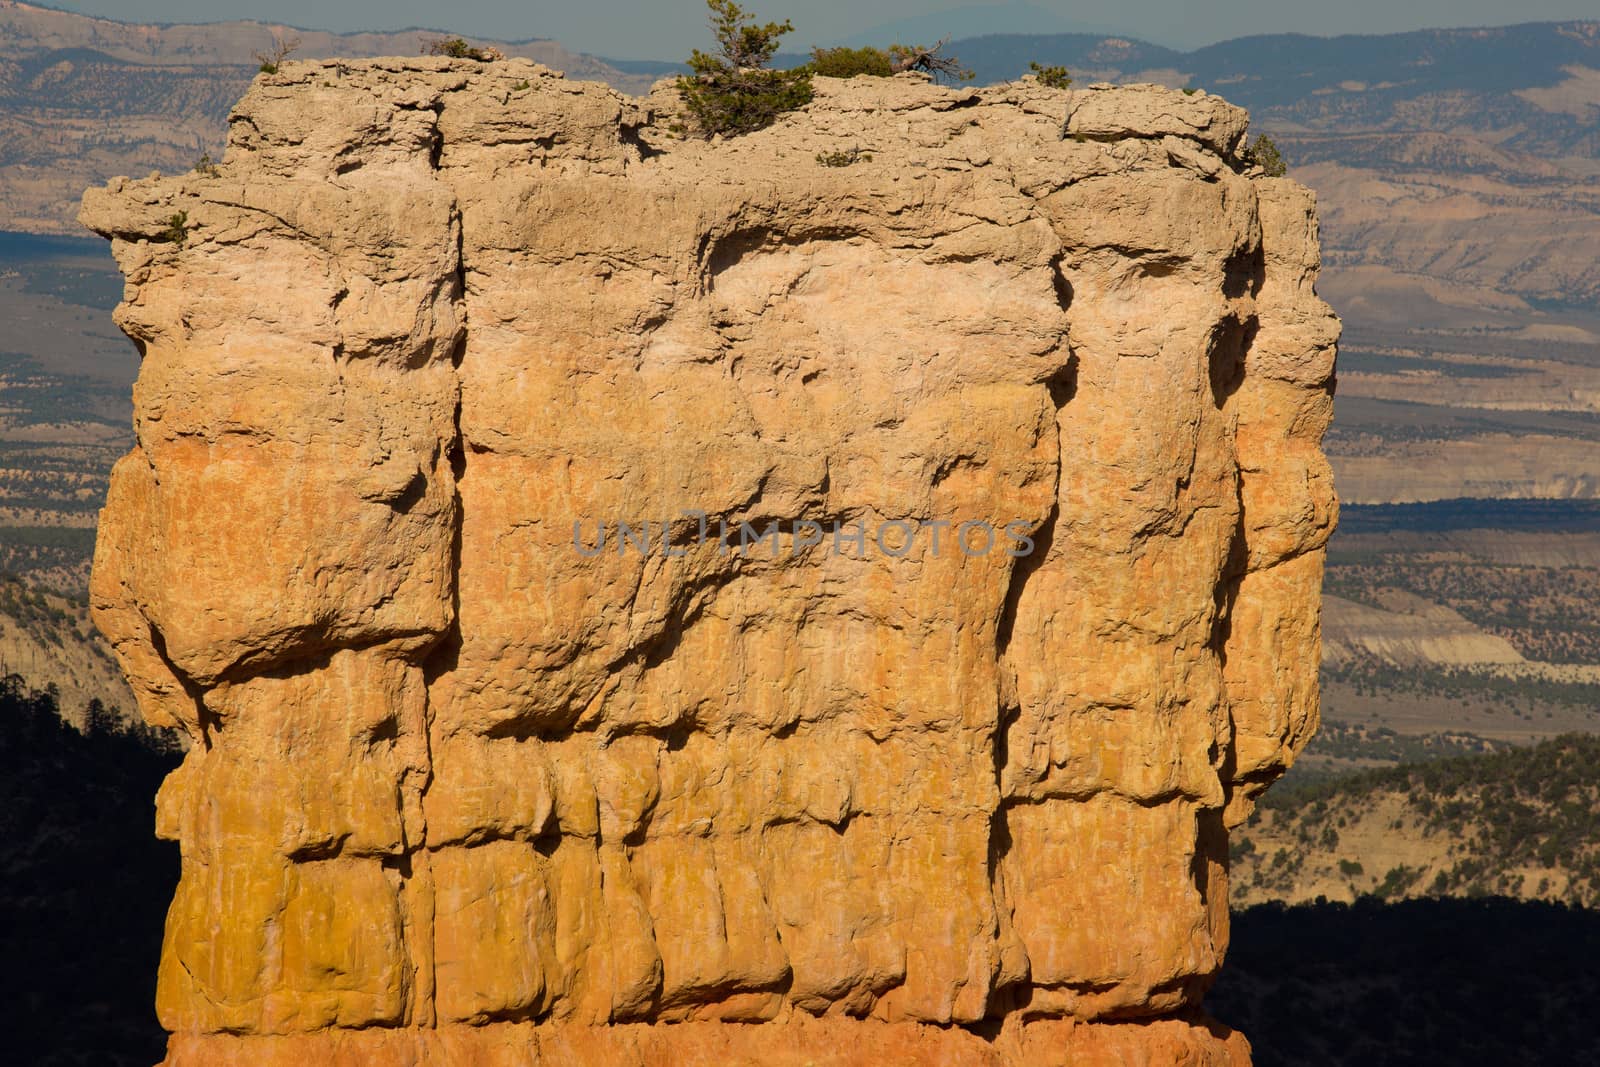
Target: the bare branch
(929, 60)
(282, 49)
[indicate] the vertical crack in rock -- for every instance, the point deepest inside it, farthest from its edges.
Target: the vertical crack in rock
(463, 792)
(441, 660)
(1009, 993)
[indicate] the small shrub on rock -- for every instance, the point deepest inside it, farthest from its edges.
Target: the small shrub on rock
(1051, 77)
(849, 62)
(458, 48)
(1264, 154)
(177, 231)
(844, 159)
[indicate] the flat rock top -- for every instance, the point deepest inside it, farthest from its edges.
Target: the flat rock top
(333, 119)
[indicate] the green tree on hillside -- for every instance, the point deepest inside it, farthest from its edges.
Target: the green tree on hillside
(734, 90)
(1051, 77)
(1264, 153)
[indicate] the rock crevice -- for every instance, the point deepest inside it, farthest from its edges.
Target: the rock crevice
(468, 791)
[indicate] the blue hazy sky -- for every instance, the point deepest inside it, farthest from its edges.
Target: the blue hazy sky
(667, 29)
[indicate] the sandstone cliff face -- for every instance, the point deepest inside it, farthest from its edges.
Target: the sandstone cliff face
(466, 790)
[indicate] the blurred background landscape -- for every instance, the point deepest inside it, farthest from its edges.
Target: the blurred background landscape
(1456, 783)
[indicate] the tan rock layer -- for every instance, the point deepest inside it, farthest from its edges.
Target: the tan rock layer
(466, 790)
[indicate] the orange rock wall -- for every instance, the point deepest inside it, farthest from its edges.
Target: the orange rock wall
(464, 790)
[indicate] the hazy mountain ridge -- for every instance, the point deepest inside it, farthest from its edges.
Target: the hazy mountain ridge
(31, 29)
(83, 99)
(1313, 78)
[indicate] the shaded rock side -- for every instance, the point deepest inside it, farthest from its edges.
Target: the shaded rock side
(466, 790)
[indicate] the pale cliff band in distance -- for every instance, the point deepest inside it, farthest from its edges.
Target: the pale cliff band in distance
(895, 538)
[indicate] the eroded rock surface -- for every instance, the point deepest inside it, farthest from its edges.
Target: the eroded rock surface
(465, 790)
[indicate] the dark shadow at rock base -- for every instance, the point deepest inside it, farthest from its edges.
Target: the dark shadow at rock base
(1423, 982)
(84, 886)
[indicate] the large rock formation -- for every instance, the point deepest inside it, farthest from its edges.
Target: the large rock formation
(939, 772)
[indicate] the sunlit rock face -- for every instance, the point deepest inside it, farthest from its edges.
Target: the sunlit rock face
(642, 601)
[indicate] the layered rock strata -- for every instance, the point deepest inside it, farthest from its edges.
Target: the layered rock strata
(465, 388)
